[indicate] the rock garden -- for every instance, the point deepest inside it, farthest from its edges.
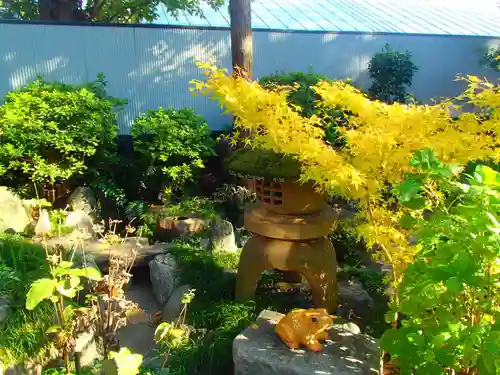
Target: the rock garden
(327, 232)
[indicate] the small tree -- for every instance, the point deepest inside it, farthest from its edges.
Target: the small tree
(491, 58)
(391, 72)
(51, 131)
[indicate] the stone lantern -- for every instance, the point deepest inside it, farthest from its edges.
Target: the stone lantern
(289, 225)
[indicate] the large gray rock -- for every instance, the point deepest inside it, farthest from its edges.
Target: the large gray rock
(13, 215)
(24, 369)
(222, 237)
(83, 198)
(163, 272)
(88, 347)
(258, 350)
(82, 220)
(354, 296)
(174, 305)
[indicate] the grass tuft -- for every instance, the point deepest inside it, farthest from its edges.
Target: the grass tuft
(23, 333)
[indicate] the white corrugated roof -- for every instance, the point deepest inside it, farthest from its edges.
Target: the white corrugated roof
(439, 17)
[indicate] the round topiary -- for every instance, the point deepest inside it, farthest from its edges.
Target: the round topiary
(50, 131)
(171, 146)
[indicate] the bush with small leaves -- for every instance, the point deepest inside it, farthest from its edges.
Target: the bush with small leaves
(302, 97)
(51, 131)
(171, 148)
(391, 72)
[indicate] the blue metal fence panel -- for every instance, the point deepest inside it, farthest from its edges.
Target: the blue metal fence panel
(152, 66)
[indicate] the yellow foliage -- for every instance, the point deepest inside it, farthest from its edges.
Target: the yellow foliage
(380, 139)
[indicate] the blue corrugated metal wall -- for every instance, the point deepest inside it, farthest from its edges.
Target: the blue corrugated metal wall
(152, 67)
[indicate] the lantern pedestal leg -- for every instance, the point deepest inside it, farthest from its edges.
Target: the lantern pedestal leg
(315, 259)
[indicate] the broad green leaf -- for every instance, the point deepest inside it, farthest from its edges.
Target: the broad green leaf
(453, 284)
(416, 203)
(408, 221)
(65, 264)
(439, 340)
(68, 313)
(486, 366)
(470, 357)
(486, 175)
(416, 339)
(445, 357)
(89, 272)
(162, 331)
(493, 348)
(408, 190)
(123, 362)
(431, 369)
(489, 362)
(74, 281)
(390, 340)
(424, 159)
(65, 289)
(41, 289)
(53, 329)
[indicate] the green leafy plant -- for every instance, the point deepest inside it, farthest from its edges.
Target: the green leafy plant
(391, 72)
(123, 362)
(64, 282)
(448, 297)
(22, 336)
(51, 132)
(145, 220)
(300, 89)
(174, 335)
(192, 207)
(304, 99)
(171, 147)
(491, 58)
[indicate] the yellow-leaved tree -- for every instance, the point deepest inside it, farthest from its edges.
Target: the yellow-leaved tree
(380, 140)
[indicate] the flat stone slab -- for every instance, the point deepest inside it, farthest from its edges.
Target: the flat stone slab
(99, 250)
(259, 351)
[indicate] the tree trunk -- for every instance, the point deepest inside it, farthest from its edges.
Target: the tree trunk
(240, 12)
(58, 10)
(241, 36)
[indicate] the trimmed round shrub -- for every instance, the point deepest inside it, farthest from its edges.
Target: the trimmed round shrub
(171, 147)
(51, 132)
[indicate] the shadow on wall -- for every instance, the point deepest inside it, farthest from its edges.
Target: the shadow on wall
(439, 58)
(152, 67)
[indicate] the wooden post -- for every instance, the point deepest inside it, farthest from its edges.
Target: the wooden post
(240, 12)
(241, 36)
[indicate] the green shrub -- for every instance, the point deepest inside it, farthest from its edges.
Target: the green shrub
(212, 308)
(51, 132)
(301, 89)
(23, 334)
(491, 58)
(171, 147)
(391, 72)
(302, 96)
(448, 298)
